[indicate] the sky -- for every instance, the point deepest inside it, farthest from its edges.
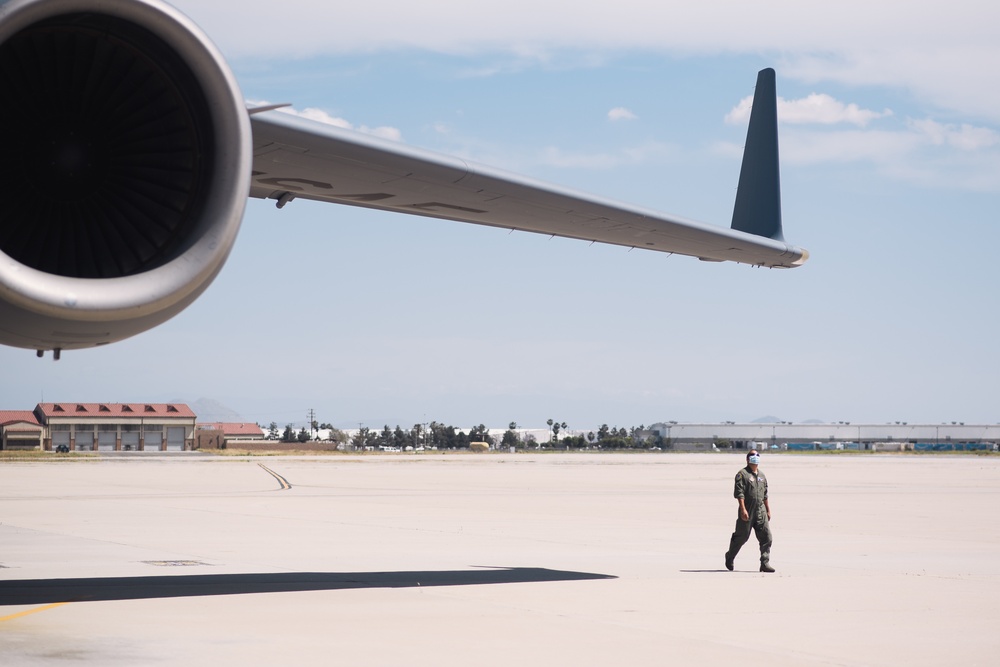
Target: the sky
(889, 122)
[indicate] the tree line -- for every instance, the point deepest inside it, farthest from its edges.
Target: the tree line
(443, 436)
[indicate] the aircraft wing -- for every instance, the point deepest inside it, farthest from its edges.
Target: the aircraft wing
(299, 158)
(130, 155)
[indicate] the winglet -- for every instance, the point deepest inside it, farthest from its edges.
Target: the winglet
(758, 198)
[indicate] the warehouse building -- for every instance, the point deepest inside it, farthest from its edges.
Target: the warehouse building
(149, 427)
(893, 436)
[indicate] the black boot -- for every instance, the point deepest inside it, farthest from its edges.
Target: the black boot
(729, 562)
(766, 567)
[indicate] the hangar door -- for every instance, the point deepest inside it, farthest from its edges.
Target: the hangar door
(85, 439)
(60, 438)
(152, 438)
(175, 438)
(130, 441)
(107, 437)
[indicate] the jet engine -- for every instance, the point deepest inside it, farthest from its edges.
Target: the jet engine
(125, 160)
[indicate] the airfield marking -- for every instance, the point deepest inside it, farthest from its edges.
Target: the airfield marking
(31, 611)
(281, 480)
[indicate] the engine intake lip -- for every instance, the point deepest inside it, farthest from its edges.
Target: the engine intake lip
(135, 176)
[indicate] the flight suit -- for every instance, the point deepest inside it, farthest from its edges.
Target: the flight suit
(753, 490)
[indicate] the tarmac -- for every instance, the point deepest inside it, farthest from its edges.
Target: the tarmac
(496, 559)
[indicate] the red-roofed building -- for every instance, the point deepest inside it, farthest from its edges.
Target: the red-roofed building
(117, 426)
(20, 429)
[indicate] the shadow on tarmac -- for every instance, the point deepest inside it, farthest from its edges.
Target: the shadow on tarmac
(44, 591)
(704, 571)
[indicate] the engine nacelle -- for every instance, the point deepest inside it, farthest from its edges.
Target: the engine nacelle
(125, 159)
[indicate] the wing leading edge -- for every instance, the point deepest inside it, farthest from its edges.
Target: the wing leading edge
(294, 157)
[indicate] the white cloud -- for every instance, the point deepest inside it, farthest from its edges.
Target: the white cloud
(964, 137)
(924, 152)
(815, 108)
(621, 113)
(950, 76)
(881, 146)
(321, 116)
(821, 108)
(921, 152)
(914, 139)
(944, 53)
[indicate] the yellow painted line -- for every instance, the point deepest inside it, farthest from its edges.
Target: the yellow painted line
(31, 611)
(281, 480)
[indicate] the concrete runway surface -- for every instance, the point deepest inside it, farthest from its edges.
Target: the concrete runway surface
(496, 559)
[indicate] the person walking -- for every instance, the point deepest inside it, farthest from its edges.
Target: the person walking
(754, 512)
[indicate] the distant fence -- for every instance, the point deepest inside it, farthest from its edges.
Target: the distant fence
(275, 446)
(954, 447)
(893, 446)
